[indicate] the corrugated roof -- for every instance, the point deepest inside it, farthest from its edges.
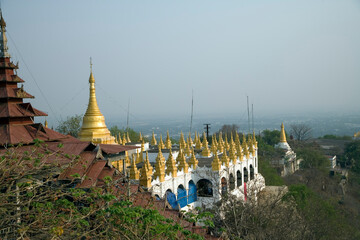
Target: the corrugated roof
(115, 148)
(80, 167)
(92, 174)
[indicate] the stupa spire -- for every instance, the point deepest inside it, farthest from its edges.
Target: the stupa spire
(93, 127)
(167, 141)
(171, 165)
(153, 140)
(193, 162)
(282, 133)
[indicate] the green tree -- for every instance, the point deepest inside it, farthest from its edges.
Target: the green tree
(133, 135)
(70, 126)
(271, 137)
(323, 220)
(352, 155)
(312, 158)
(33, 205)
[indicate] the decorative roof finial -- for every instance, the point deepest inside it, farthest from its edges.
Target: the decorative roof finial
(282, 134)
(91, 64)
(3, 39)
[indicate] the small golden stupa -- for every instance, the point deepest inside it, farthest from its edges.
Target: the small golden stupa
(93, 127)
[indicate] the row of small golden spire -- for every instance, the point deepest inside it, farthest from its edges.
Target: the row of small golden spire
(235, 148)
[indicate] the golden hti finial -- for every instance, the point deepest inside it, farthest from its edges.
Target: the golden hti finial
(193, 162)
(168, 141)
(140, 137)
(182, 164)
(216, 164)
(251, 146)
(232, 154)
(214, 141)
(182, 141)
(171, 166)
(190, 140)
(128, 137)
(134, 172)
(140, 157)
(177, 160)
(124, 140)
(147, 161)
(198, 144)
(160, 157)
(146, 173)
(245, 148)
(195, 137)
(127, 159)
(161, 143)
(91, 64)
(237, 139)
(225, 159)
(119, 139)
(187, 149)
(282, 133)
(46, 123)
(153, 140)
(205, 152)
(239, 151)
(254, 140)
(226, 143)
(160, 167)
(232, 139)
(142, 146)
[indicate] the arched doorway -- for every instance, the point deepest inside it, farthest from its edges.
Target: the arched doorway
(246, 175)
(204, 188)
(192, 196)
(181, 196)
(251, 172)
(232, 181)
(238, 178)
(223, 186)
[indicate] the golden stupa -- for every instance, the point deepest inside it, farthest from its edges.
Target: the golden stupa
(93, 127)
(282, 133)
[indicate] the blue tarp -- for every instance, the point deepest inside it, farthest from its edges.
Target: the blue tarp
(182, 197)
(171, 198)
(192, 193)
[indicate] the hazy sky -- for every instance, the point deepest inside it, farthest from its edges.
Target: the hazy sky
(285, 55)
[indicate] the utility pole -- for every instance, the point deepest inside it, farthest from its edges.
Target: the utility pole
(207, 127)
(128, 113)
(248, 112)
(192, 109)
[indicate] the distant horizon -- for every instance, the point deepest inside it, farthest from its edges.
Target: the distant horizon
(289, 57)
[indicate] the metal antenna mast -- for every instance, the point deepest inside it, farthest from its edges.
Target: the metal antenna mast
(248, 112)
(128, 113)
(192, 109)
(252, 116)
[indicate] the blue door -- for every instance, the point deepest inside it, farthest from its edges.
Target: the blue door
(182, 197)
(192, 192)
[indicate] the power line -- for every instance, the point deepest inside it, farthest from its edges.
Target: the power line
(33, 78)
(192, 109)
(73, 98)
(115, 101)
